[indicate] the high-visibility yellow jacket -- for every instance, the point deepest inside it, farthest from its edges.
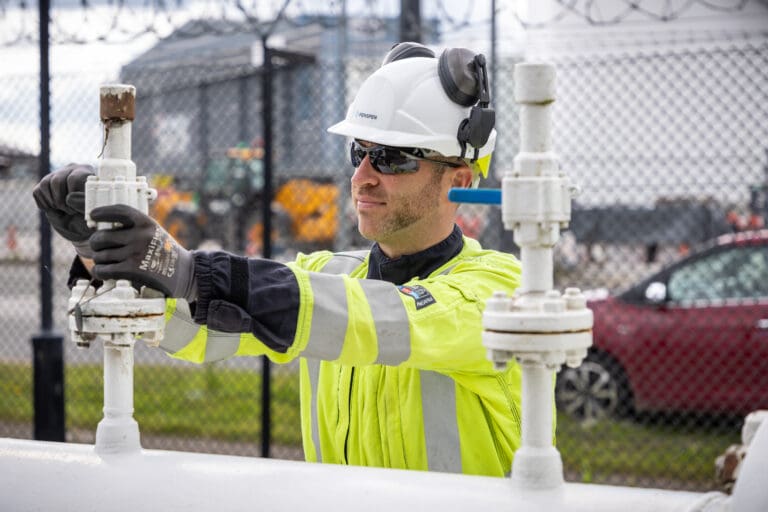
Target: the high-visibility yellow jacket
(393, 374)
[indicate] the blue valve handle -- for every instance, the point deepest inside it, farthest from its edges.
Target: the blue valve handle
(475, 195)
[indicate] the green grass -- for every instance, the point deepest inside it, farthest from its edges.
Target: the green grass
(224, 404)
(15, 393)
(208, 402)
(641, 450)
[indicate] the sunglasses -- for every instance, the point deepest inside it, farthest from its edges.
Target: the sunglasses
(390, 160)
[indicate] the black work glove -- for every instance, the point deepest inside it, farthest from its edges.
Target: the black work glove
(61, 196)
(141, 251)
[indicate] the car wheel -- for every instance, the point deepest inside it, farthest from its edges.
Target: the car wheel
(597, 389)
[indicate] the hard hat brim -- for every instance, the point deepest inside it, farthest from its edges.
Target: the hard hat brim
(400, 139)
(383, 137)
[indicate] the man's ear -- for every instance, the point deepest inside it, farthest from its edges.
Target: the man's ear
(462, 178)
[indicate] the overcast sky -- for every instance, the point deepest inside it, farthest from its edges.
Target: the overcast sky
(70, 20)
(78, 68)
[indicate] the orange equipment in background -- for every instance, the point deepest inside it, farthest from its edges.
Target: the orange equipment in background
(225, 207)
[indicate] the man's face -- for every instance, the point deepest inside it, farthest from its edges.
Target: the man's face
(400, 211)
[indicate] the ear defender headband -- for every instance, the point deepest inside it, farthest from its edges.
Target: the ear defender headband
(407, 50)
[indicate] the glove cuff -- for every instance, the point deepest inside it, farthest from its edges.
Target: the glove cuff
(187, 280)
(83, 249)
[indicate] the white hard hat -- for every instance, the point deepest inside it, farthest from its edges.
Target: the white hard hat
(404, 104)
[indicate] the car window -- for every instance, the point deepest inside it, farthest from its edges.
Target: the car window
(735, 273)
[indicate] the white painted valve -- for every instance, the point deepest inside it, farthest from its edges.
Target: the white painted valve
(117, 313)
(538, 327)
(116, 310)
(116, 181)
(552, 330)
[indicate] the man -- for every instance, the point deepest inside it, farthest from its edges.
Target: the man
(393, 371)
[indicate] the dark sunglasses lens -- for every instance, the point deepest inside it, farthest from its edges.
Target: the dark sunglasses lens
(384, 160)
(356, 155)
(392, 161)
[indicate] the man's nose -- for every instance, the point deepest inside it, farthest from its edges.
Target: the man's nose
(365, 173)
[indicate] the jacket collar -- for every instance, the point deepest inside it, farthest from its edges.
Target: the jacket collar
(420, 264)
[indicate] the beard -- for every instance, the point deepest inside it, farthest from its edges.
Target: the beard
(404, 210)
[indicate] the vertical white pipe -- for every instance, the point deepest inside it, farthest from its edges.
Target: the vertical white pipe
(537, 463)
(537, 417)
(119, 141)
(118, 380)
(535, 93)
(118, 431)
(538, 270)
(536, 136)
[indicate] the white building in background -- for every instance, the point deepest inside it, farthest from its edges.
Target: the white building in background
(661, 113)
(649, 108)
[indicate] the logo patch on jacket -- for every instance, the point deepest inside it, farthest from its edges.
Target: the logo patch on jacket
(420, 294)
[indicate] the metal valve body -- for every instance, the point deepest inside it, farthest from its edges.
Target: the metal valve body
(116, 313)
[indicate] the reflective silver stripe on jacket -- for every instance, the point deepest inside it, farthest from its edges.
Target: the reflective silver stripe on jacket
(393, 333)
(181, 329)
(313, 366)
(221, 345)
(329, 317)
(441, 428)
(329, 312)
(344, 262)
(329, 325)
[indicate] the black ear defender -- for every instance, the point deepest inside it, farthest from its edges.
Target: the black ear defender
(464, 77)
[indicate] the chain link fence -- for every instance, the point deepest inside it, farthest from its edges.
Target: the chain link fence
(666, 139)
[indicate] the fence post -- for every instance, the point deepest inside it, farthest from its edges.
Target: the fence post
(266, 104)
(47, 347)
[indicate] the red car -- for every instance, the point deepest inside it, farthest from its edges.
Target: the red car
(692, 337)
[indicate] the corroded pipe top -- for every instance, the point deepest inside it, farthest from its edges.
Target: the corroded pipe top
(117, 102)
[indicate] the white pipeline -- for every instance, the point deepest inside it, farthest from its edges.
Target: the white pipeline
(41, 476)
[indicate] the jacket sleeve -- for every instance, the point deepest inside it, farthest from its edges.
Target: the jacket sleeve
(291, 310)
(245, 306)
